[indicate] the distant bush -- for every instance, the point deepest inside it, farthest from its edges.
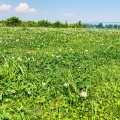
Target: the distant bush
(14, 21)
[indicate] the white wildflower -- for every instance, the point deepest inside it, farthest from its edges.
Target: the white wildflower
(28, 58)
(17, 40)
(58, 56)
(13, 58)
(52, 55)
(84, 94)
(29, 92)
(19, 59)
(13, 91)
(66, 85)
(86, 51)
(46, 52)
(43, 83)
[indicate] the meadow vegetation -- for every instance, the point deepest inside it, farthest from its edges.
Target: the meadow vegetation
(59, 74)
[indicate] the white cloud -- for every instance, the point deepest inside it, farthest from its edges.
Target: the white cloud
(5, 7)
(68, 14)
(23, 7)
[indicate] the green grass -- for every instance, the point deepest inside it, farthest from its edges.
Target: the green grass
(44, 71)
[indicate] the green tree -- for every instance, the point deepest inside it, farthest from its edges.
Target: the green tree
(31, 23)
(100, 25)
(44, 23)
(1, 23)
(79, 25)
(66, 25)
(116, 26)
(57, 24)
(13, 21)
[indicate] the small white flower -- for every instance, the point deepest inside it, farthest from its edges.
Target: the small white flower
(43, 83)
(58, 56)
(13, 58)
(17, 40)
(14, 91)
(86, 51)
(19, 59)
(66, 85)
(29, 92)
(28, 58)
(84, 94)
(52, 55)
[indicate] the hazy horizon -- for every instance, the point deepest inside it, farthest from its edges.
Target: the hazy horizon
(104, 23)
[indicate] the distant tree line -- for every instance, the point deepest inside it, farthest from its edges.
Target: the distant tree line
(16, 22)
(101, 26)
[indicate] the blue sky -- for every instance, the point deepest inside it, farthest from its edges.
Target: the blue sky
(70, 10)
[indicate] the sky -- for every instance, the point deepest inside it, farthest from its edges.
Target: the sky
(63, 10)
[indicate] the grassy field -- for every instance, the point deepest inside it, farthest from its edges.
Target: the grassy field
(59, 74)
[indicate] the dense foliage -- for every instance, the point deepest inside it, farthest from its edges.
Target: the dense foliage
(66, 74)
(14, 21)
